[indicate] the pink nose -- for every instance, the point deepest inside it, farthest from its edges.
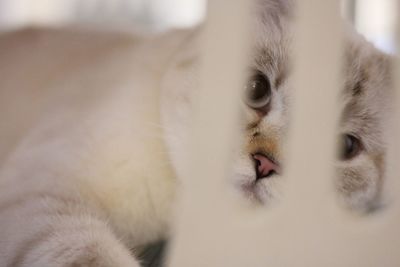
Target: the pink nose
(265, 167)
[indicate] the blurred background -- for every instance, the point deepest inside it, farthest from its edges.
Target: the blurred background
(373, 18)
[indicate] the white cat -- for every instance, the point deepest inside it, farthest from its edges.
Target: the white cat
(95, 125)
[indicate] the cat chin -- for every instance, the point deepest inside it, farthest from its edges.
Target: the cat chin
(261, 191)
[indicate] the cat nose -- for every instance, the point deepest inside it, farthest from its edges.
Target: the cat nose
(265, 167)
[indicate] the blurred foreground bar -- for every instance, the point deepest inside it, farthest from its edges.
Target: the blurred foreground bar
(204, 211)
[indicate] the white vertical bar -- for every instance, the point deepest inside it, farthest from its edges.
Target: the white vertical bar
(314, 119)
(393, 173)
(394, 142)
(199, 240)
(300, 223)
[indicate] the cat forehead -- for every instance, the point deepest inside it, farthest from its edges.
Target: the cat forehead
(366, 77)
(271, 52)
(367, 88)
(273, 59)
(270, 34)
(366, 69)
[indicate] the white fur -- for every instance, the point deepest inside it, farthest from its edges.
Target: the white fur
(86, 168)
(94, 130)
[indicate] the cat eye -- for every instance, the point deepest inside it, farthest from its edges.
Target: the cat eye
(350, 147)
(258, 92)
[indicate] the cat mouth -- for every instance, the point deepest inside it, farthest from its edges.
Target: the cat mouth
(260, 185)
(265, 165)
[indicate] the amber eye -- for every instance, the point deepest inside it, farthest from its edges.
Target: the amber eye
(350, 147)
(258, 92)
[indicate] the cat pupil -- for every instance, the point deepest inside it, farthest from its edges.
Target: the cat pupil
(350, 147)
(258, 92)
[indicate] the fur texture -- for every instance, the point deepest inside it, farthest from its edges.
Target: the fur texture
(96, 125)
(85, 176)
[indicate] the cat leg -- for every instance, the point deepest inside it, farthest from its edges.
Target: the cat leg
(55, 233)
(80, 243)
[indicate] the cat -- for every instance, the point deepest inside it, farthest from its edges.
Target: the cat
(367, 90)
(95, 128)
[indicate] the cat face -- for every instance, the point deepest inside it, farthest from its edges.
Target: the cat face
(257, 171)
(366, 85)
